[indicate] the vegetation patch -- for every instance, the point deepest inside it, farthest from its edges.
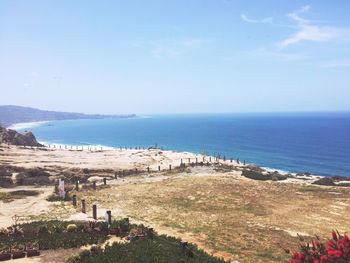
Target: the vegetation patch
(157, 249)
(49, 235)
(258, 175)
(11, 196)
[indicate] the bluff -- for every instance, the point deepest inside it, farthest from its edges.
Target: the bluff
(15, 138)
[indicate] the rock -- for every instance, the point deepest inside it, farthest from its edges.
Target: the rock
(15, 138)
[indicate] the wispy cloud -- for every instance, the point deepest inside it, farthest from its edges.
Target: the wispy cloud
(309, 31)
(266, 20)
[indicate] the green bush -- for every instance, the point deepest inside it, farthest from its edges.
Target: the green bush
(162, 249)
(71, 228)
(50, 235)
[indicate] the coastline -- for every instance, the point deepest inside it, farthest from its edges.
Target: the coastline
(115, 135)
(177, 202)
(92, 156)
(26, 125)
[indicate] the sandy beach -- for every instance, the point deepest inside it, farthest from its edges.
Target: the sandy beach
(213, 205)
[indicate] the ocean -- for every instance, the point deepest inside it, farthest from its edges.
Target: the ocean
(318, 143)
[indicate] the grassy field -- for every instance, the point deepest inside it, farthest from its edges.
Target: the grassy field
(230, 217)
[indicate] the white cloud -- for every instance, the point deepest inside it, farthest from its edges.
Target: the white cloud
(267, 20)
(307, 31)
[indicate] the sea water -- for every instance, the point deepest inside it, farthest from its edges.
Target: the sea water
(318, 143)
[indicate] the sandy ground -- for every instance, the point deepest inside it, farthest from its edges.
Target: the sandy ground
(108, 159)
(216, 208)
(26, 206)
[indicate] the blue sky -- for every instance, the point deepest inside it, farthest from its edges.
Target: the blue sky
(176, 56)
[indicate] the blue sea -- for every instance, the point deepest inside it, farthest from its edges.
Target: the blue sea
(314, 142)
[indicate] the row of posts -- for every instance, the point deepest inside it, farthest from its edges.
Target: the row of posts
(71, 147)
(136, 148)
(108, 215)
(94, 207)
(217, 158)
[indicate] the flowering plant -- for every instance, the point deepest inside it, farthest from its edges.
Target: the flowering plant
(335, 250)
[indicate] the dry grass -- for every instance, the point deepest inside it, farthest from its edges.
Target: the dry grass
(234, 218)
(18, 194)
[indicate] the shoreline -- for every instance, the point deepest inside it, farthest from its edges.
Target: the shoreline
(26, 125)
(173, 157)
(187, 203)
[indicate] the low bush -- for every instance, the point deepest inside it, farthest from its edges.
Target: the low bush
(325, 181)
(258, 175)
(71, 228)
(51, 235)
(56, 198)
(159, 249)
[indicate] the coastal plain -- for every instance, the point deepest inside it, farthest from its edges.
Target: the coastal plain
(211, 205)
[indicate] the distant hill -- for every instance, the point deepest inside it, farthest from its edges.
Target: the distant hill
(10, 114)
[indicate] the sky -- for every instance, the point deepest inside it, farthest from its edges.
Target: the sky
(175, 56)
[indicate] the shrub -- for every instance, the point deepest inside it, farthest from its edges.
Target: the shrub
(43, 230)
(56, 198)
(258, 175)
(43, 234)
(32, 172)
(325, 181)
(336, 250)
(71, 228)
(160, 249)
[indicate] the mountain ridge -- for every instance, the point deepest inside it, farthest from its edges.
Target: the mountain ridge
(11, 114)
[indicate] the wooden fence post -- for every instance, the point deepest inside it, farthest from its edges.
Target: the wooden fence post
(94, 212)
(74, 200)
(83, 207)
(109, 217)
